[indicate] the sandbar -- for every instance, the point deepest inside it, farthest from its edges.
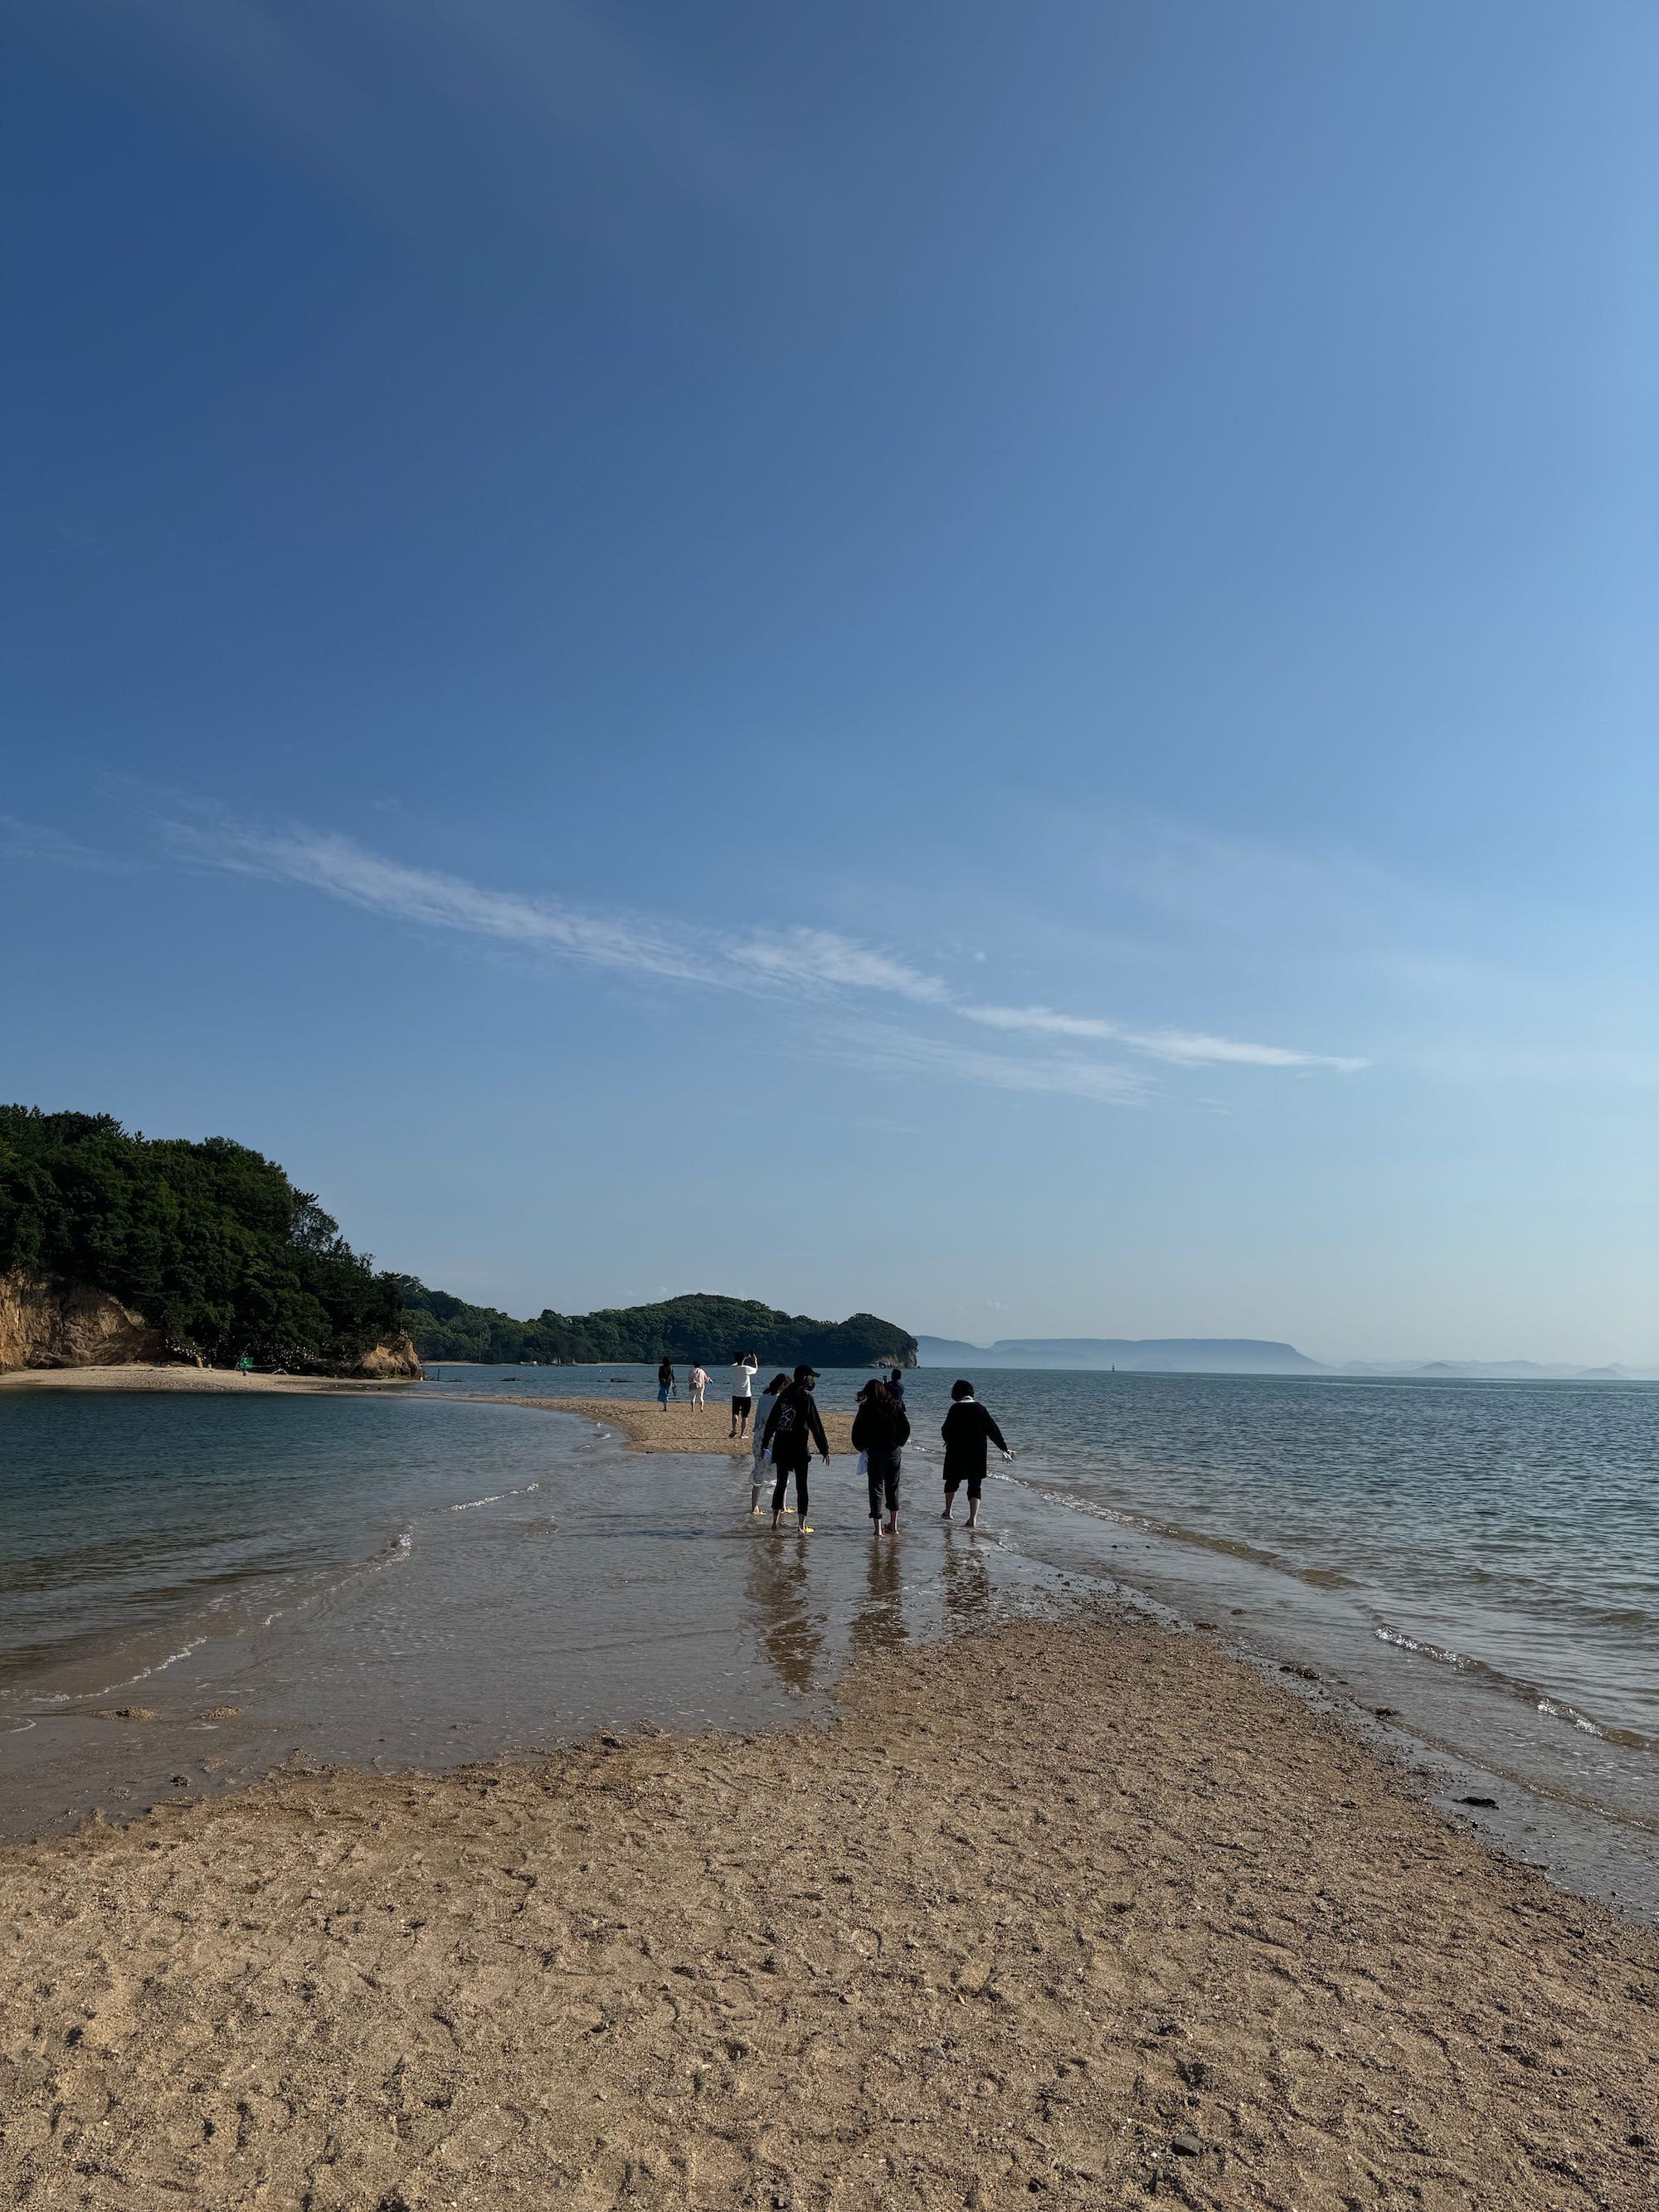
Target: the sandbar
(676, 1427)
(1076, 1911)
(179, 1378)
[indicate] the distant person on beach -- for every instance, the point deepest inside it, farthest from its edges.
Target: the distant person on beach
(697, 1382)
(666, 1386)
(881, 1429)
(793, 1426)
(894, 1386)
(779, 1383)
(744, 1370)
(966, 1429)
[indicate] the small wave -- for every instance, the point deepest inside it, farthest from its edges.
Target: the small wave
(496, 1496)
(1554, 1708)
(80, 1697)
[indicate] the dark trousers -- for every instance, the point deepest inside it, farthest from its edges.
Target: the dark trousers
(883, 1469)
(781, 1484)
(956, 1476)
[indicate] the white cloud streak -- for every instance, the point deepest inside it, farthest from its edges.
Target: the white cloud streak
(1186, 1048)
(899, 1052)
(345, 870)
(34, 841)
(811, 957)
(805, 962)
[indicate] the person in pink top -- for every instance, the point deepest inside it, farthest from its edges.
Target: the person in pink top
(697, 1383)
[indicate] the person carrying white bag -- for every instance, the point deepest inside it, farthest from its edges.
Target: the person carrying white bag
(778, 1382)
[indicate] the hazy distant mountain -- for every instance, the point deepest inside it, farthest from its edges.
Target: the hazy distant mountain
(1168, 1355)
(1234, 1355)
(1496, 1370)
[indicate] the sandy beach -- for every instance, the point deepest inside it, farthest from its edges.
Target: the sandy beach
(1081, 1913)
(677, 1427)
(176, 1378)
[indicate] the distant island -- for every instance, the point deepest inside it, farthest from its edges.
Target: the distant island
(1237, 1355)
(1168, 1355)
(700, 1326)
(117, 1248)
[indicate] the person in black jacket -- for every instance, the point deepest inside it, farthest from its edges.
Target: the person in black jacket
(966, 1429)
(792, 1427)
(881, 1429)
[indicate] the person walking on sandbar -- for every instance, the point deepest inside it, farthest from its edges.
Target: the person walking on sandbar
(744, 1369)
(966, 1429)
(881, 1429)
(697, 1382)
(792, 1427)
(779, 1383)
(666, 1386)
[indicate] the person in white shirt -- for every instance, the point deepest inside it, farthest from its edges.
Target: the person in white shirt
(743, 1392)
(698, 1383)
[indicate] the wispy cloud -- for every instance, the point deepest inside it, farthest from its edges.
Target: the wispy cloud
(809, 957)
(33, 840)
(345, 870)
(1186, 1048)
(900, 1052)
(798, 961)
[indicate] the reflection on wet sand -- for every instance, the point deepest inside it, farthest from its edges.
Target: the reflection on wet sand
(791, 1632)
(878, 1624)
(967, 1582)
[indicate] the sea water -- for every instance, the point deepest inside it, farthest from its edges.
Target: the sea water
(415, 1577)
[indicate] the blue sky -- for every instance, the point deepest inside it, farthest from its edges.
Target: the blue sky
(992, 664)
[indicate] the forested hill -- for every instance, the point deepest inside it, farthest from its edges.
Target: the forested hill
(211, 1243)
(212, 1246)
(698, 1327)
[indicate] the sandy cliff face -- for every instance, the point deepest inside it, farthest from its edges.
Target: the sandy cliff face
(48, 1324)
(44, 1324)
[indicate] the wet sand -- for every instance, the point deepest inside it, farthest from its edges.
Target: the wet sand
(179, 1378)
(1077, 1912)
(677, 1427)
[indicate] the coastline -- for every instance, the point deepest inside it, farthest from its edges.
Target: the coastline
(184, 1378)
(1053, 1908)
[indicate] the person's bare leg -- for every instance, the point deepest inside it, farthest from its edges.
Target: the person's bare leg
(950, 1504)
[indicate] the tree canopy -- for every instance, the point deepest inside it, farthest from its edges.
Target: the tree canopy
(210, 1242)
(700, 1326)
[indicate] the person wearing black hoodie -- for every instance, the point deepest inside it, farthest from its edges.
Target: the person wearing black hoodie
(881, 1429)
(792, 1427)
(966, 1430)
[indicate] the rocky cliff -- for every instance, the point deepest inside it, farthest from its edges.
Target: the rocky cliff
(45, 1324)
(383, 1363)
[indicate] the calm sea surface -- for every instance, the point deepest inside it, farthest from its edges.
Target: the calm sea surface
(409, 1577)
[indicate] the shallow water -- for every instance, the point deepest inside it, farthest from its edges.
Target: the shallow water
(408, 1578)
